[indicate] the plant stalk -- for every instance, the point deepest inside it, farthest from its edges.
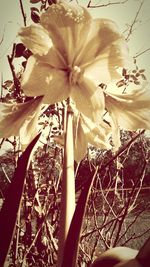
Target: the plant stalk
(68, 186)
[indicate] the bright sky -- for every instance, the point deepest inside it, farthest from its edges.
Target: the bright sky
(123, 14)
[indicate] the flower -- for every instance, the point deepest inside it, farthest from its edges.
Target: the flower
(86, 132)
(130, 111)
(20, 119)
(72, 55)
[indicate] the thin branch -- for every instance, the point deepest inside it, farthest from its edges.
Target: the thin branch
(15, 79)
(1, 143)
(23, 13)
(3, 169)
(91, 232)
(134, 21)
(133, 237)
(2, 39)
(141, 53)
(122, 150)
(107, 4)
(131, 224)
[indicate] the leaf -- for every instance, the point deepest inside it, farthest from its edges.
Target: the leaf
(34, 9)
(35, 17)
(8, 213)
(24, 63)
(34, 1)
(134, 71)
(50, 2)
(143, 77)
(142, 70)
(143, 257)
(137, 82)
(124, 72)
(27, 53)
(20, 48)
(133, 77)
(8, 83)
(72, 242)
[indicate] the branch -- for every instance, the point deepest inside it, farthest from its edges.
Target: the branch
(130, 225)
(133, 237)
(23, 13)
(141, 53)
(134, 21)
(105, 5)
(2, 39)
(15, 79)
(122, 150)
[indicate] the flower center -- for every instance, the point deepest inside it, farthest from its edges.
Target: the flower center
(75, 75)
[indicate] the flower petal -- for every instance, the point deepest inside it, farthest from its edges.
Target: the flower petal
(103, 52)
(29, 130)
(130, 111)
(36, 38)
(88, 99)
(68, 25)
(53, 58)
(96, 135)
(80, 142)
(13, 116)
(41, 79)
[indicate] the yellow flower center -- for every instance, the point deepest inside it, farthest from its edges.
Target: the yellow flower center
(75, 75)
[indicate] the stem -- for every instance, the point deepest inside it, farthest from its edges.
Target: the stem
(68, 186)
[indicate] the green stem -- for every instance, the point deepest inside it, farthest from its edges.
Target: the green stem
(68, 186)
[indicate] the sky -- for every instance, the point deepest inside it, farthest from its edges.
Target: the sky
(123, 14)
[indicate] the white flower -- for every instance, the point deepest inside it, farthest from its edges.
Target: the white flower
(86, 132)
(129, 111)
(20, 119)
(72, 55)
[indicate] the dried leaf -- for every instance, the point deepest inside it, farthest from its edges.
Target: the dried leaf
(142, 70)
(143, 77)
(137, 82)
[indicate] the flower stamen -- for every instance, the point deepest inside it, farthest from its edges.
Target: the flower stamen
(75, 74)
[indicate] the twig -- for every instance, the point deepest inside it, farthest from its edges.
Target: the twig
(23, 13)
(105, 5)
(1, 85)
(2, 39)
(134, 21)
(99, 228)
(141, 53)
(130, 225)
(133, 237)
(126, 208)
(122, 150)
(105, 199)
(96, 226)
(5, 174)
(1, 143)
(16, 81)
